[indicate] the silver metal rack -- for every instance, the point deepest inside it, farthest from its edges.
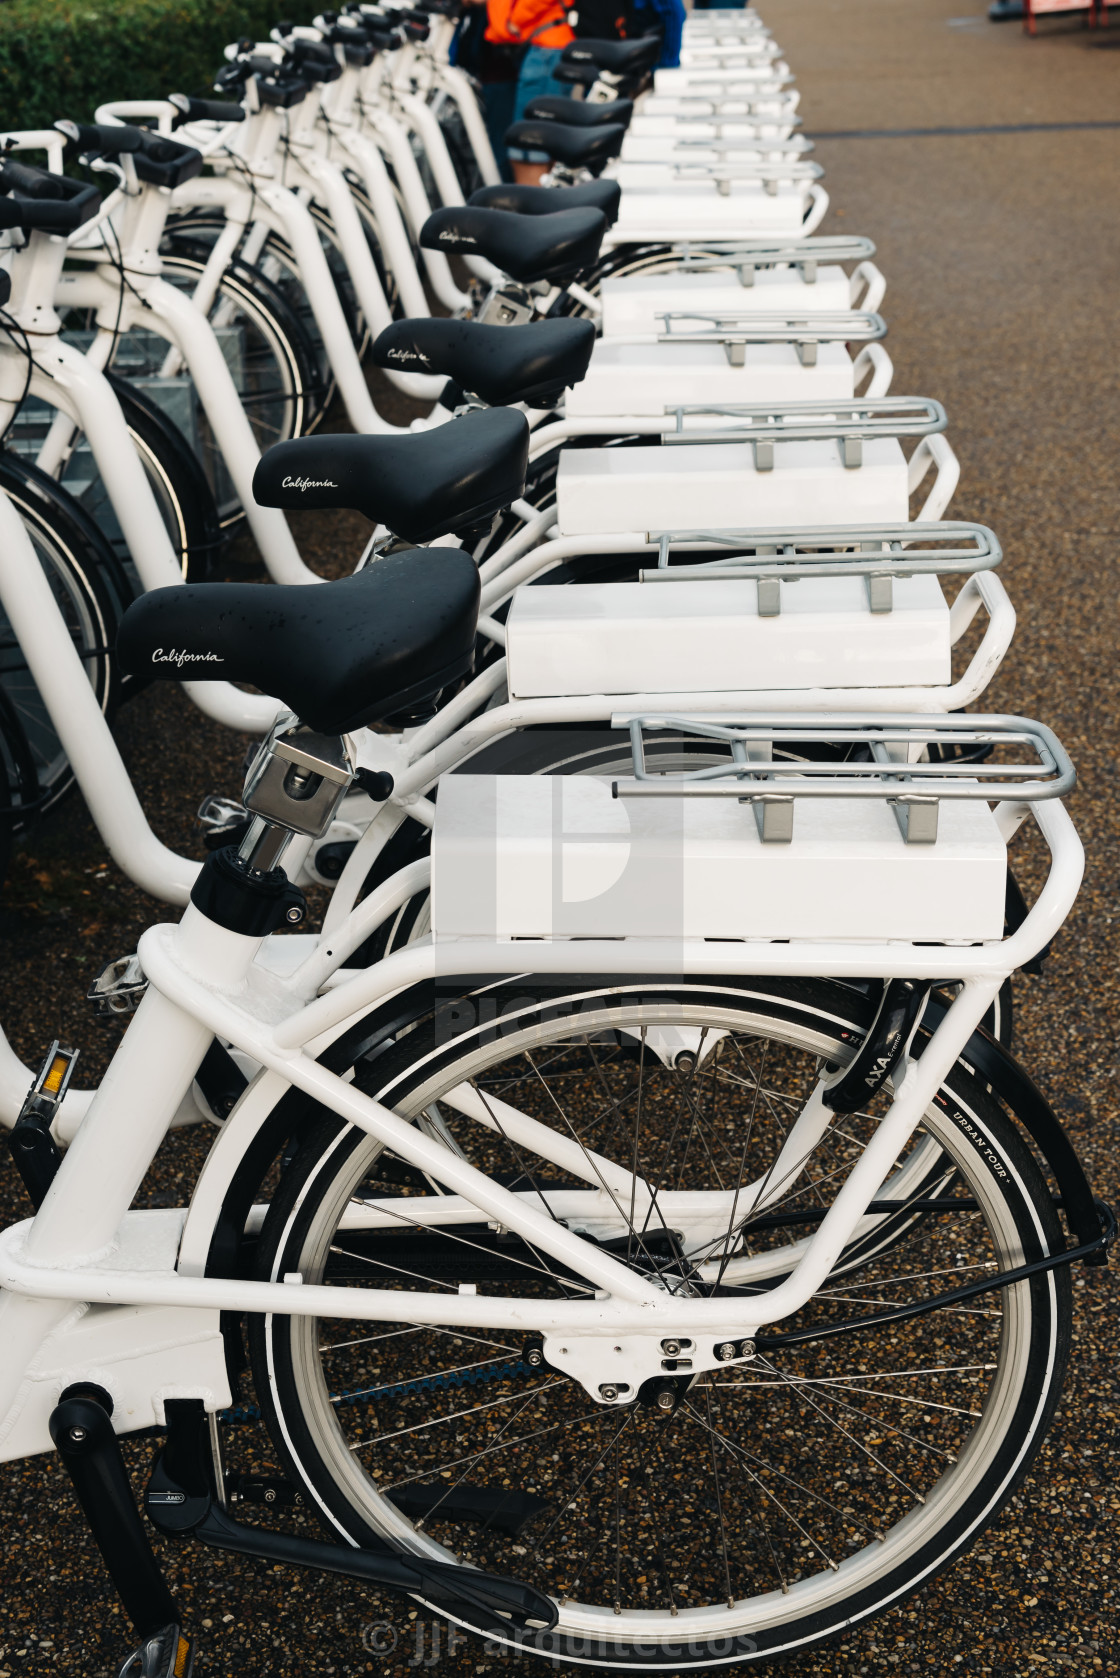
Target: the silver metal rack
(724, 91)
(741, 56)
(748, 255)
(851, 424)
(770, 173)
(879, 553)
(756, 112)
(797, 145)
(804, 331)
(890, 768)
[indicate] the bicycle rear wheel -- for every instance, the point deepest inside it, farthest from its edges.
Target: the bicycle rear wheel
(265, 348)
(19, 789)
(277, 265)
(174, 473)
(763, 1508)
(91, 593)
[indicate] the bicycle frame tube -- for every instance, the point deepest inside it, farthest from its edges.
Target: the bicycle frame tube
(367, 159)
(76, 715)
(391, 135)
(163, 309)
(283, 212)
(452, 80)
(63, 378)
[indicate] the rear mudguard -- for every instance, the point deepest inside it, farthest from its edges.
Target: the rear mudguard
(1027, 1105)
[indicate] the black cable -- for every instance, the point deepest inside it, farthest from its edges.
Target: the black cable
(13, 326)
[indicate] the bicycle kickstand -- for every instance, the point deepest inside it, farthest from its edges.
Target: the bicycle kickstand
(83, 1433)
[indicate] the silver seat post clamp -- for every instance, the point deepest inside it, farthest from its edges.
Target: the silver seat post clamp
(294, 785)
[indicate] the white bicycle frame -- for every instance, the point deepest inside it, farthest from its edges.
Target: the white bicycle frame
(66, 380)
(247, 194)
(84, 1246)
(137, 214)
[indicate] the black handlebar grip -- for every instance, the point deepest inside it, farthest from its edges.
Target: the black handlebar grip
(204, 110)
(32, 182)
(106, 137)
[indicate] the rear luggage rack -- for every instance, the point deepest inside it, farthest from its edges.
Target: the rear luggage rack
(760, 112)
(739, 92)
(803, 331)
(850, 423)
(796, 146)
(755, 775)
(878, 552)
(750, 254)
(770, 174)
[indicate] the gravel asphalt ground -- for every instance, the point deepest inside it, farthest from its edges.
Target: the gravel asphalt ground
(986, 167)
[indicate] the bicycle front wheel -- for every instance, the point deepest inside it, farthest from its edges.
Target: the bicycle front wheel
(762, 1508)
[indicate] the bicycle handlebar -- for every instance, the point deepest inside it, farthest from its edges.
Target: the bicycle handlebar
(39, 200)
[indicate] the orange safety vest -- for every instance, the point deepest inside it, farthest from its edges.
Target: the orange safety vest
(539, 23)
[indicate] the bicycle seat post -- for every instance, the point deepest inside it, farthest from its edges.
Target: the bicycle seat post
(293, 786)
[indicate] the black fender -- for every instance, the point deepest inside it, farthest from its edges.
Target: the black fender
(1027, 1105)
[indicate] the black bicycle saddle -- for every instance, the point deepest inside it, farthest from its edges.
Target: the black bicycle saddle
(552, 247)
(500, 364)
(620, 58)
(580, 113)
(419, 486)
(578, 148)
(605, 196)
(340, 655)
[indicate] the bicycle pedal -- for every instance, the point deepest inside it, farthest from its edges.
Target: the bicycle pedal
(223, 821)
(168, 1653)
(36, 1153)
(118, 988)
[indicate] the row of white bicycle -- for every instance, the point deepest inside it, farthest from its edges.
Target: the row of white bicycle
(625, 1212)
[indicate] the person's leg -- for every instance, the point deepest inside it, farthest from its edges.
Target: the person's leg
(499, 100)
(536, 78)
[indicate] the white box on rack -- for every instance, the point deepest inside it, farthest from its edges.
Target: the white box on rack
(716, 486)
(538, 856)
(707, 637)
(696, 78)
(643, 378)
(698, 210)
(633, 302)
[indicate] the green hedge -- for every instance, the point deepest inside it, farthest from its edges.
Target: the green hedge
(63, 58)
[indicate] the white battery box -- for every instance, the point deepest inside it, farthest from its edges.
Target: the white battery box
(717, 486)
(707, 637)
(646, 378)
(540, 856)
(633, 302)
(697, 209)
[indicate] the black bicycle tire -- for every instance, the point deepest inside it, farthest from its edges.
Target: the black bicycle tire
(95, 573)
(289, 345)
